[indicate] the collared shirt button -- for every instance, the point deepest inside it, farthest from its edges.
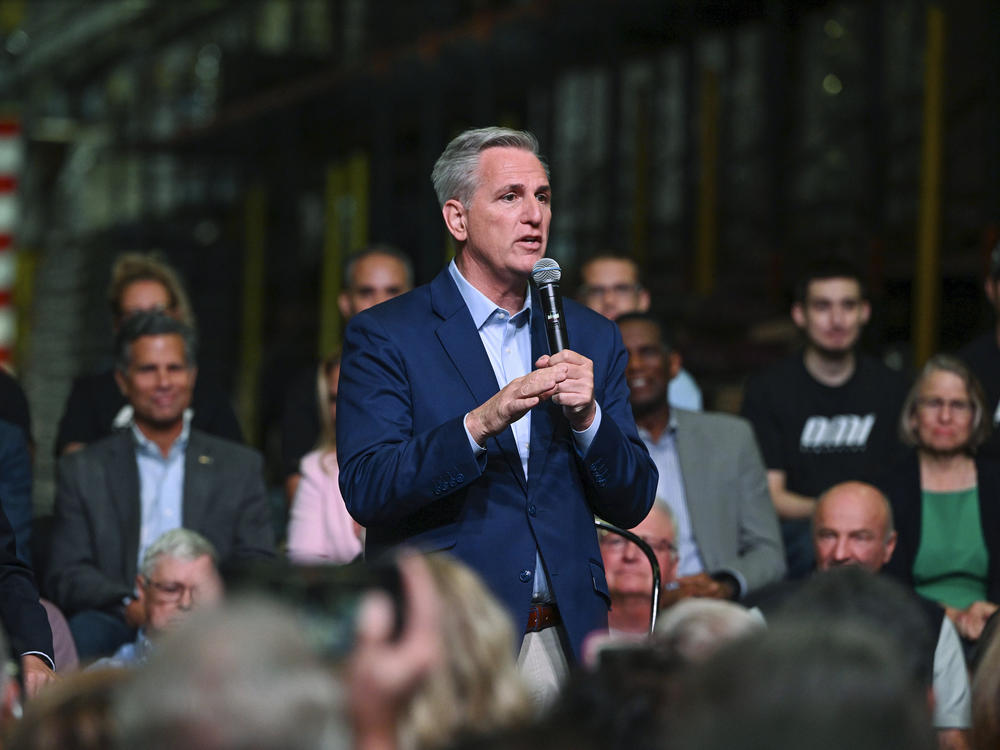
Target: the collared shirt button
(525, 576)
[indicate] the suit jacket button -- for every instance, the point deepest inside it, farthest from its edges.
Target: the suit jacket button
(531, 509)
(526, 575)
(460, 478)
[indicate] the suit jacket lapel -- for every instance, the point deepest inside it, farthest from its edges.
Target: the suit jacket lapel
(124, 490)
(460, 340)
(198, 462)
(692, 455)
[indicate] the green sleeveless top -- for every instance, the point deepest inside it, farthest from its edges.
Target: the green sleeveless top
(952, 562)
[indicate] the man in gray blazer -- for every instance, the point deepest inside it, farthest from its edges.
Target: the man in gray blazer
(711, 476)
(118, 494)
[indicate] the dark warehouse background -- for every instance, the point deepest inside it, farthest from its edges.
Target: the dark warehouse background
(255, 143)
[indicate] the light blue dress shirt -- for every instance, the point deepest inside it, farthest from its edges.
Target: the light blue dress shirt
(670, 490)
(507, 340)
(161, 486)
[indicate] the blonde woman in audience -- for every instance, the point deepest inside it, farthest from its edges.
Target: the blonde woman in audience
(477, 688)
(320, 528)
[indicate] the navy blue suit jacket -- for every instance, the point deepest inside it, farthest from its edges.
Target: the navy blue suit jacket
(411, 370)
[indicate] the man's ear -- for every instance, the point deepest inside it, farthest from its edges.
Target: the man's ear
(643, 300)
(866, 311)
(990, 287)
(344, 303)
(455, 219)
(120, 380)
(674, 363)
(140, 590)
(890, 547)
(799, 315)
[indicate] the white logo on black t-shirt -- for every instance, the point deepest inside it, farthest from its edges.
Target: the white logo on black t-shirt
(842, 432)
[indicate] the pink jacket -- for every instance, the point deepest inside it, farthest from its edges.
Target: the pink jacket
(320, 528)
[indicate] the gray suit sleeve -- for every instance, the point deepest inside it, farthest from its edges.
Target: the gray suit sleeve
(75, 581)
(761, 554)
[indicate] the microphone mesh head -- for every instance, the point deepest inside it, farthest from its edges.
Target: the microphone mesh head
(546, 271)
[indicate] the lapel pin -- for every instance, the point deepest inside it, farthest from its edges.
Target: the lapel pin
(205, 460)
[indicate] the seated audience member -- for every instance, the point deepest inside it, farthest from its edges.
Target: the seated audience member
(178, 574)
(826, 414)
(944, 499)
(242, 675)
(982, 355)
(371, 276)
(694, 629)
(711, 476)
(629, 574)
(23, 616)
(802, 685)
(15, 485)
(609, 284)
(319, 527)
(849, 590)
(116, 496)
(96, 406)
(74, 714)
(476, 688)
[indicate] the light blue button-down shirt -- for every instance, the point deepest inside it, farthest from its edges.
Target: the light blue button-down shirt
(161, 486)
(507, 340)
(670, 490)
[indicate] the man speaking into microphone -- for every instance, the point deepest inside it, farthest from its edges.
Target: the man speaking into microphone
(457, 429)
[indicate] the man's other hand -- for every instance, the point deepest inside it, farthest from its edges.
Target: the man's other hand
(513, 401)
(575, 392)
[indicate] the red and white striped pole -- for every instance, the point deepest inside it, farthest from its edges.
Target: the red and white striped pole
(11, 158)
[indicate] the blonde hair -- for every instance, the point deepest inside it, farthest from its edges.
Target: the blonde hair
(478, 687)
(132, 267)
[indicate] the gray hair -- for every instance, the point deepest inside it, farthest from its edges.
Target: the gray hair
(454, 173)
(347, 280)
(981, 423)
(151, 323)
(238, 676)
(182, 544)
(695, 629)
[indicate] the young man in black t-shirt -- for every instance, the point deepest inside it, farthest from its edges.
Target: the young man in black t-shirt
(827, 414)
(982, 355)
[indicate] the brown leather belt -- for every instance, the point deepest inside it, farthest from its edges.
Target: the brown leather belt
(541, 616)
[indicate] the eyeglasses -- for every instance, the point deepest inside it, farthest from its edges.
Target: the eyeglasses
(617, 290)
(957, 406)
(659, 545)
(170, 592)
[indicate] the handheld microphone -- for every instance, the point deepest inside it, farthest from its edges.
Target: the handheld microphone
(546, 275)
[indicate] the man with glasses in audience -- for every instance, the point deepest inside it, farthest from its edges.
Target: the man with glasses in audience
(610, 285)
(178, 574)
(629, 574)
(710, 475)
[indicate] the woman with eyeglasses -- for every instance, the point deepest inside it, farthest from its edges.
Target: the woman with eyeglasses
(945, 500)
